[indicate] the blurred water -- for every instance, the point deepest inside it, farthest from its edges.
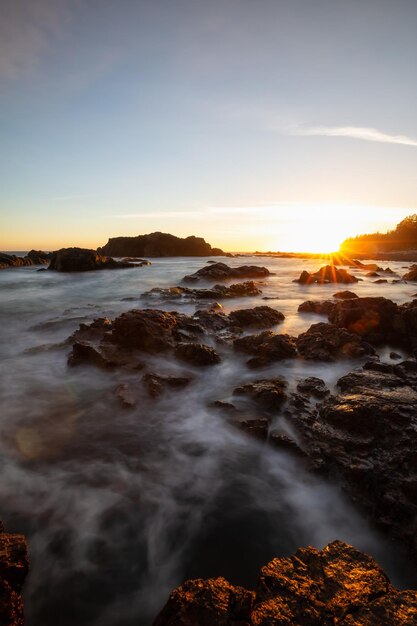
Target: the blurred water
(119, 505)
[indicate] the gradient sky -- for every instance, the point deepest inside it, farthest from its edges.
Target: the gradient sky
(248, 122)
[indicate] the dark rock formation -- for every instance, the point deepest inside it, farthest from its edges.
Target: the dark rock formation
(218, 292)
(155, 384)
(158, 245)
(367, 436)
(34, 257)
(14, 567)
(266, 347)
(267, 393)
(323, 307)
(327, 274)
(221, 271)
(344, 295)
(259, 317)
(327, 342)
(313, 386)
(372, 318)
(411, 274)
(337, 585)
(197, 354)
(83, 260)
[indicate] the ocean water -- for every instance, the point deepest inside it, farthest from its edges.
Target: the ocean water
(121, 505)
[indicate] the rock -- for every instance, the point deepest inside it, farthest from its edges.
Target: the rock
(285, 443)
(411, 274)
(259, 316)
(155, 384)
(149, 330)
(197, 354)
(380, 281)
(267, 393)
(313, 386)
(83, 260)
(218, 292)
(394, 355)
(327, 342)
(266, 347)
(39, 257)
(327, 274)
(257, 427)
(337, 585)
(84, 353)
(14, 567)
(372, 275)
(344, 295)
(158, 245)
(138, 260)
(125, 395)
(372, 318)
(318, 307)
(11, 260)
(367, 436)
(221, 271)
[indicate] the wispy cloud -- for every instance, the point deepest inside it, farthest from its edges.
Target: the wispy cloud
(353, 132)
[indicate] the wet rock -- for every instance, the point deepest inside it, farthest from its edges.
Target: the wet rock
(158, 245)
(323, 307)
(83, 260)
(259, 316)
(411, 274)
(137, 260)
(372, 318)
(367, 436)
(372, 275)
(218, 292)
(221, 271)
(344, 295)
(266, 347)
(327, 342)
(125, 396)
(84, 353)
(267, 393)
(14, 567)
(337, 585)
(197, 354)
(380, 281)
(155, 384)
(394, 355)
(11, 260)
(313, 386)
(257, 427)
(287, 444)
(327, 274)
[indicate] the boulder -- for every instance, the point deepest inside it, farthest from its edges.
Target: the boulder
(372, 318)
(336, 585)
(327, 342)
(218, 292)
(197, 354)
(313, 386)
(411, 274)
(323, 307)
(259, 317)
(155, 384)
(221, 271)
(267, 393)
(326, 274)
(344, 295)
(83, 260)
(266, 347)
(14, 567)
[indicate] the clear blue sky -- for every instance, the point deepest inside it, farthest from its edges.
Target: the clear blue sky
(243, 121)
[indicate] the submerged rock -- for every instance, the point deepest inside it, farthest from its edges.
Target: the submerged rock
(221, 271)
(267, 393)
(327, 274)
(345, 295)
(218, 292)
(327, 342)
(155, 384)
(313, 386)
(411, 274)
(337, 585)
(197, 354)
(83, 260)
(14, 567)
(323, 307)
(259, 316)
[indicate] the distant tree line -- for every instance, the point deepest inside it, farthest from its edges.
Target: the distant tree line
(403, 237)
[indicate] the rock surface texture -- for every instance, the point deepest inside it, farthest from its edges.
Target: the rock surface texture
(221, 271)
(13, 570)
(326, 274)
(83, 260)
(337, 585)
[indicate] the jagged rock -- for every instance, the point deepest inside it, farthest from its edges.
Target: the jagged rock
(84, 353)
(285, 443)
(372, 318)
(380, 281)
(83, 260)
(156, 383)
(344, 295)
(337, 585)
(327, 342)
(221, 271)
(14, 567)
(125, 395)
(327, 274)
(267, 393)
(159, 245)
(257, 427)
(367, 436)
(313, 386)
(197, 354)
(218, 292)
(259, 316)
(411, 274)
(323, 307)
(372, 275)
(266, 347)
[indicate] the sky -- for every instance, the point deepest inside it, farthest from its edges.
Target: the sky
(257, 124)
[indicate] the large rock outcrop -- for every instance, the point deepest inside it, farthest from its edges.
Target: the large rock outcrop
(337, 585)
(158, 245)
(13, 570)
(83, 260)
(327, 342)
(326, 274)
(34, 257)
